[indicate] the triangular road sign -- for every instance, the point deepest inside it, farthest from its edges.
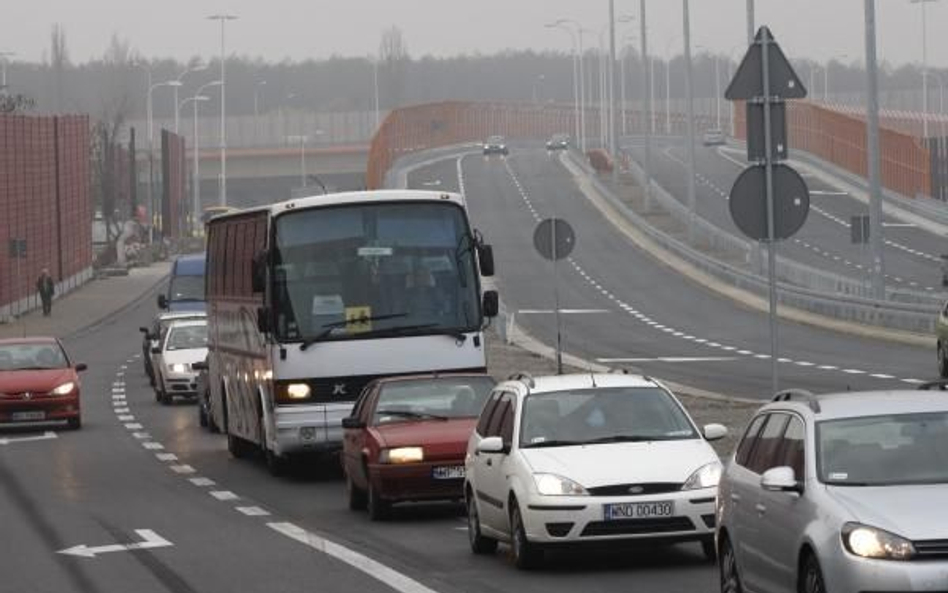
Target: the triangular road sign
(748, 82)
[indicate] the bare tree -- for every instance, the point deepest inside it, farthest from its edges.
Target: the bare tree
(393, 54)
(59, 61)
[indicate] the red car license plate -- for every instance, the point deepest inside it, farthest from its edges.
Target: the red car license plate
(448, 472)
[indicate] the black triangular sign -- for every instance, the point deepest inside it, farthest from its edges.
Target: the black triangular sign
(748, 82)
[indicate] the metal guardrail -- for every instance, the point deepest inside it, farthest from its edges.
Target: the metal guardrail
(912, 317)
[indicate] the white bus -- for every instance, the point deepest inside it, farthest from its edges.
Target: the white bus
(310, 299)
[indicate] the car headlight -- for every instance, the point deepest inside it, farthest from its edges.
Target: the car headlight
(178, 367)
(64, 389)
(554, 485)
(706, 476)
(402, 455)
(869, 542)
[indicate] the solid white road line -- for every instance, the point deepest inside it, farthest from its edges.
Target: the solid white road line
(563, 311)
(373, 568)
(673, 359)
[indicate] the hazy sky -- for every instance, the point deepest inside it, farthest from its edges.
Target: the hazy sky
(298, 29)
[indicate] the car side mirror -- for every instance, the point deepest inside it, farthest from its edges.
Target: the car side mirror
(81, 367)
(353, 423)
(144, 330)
(258, 272)
(780, 479)
(162, 301)
(714, 432)
(491, 304)
(491, 445)
(263, 320)
(200, 365)
(156, 350)
(485, 256)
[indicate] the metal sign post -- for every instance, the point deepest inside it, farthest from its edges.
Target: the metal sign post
(554, 240)
(765, 79)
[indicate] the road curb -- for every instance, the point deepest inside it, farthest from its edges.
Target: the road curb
(123, 308)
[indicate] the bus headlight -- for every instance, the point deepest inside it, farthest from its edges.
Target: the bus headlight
(298, 391)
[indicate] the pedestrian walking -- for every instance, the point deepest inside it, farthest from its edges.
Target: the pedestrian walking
(46, 289)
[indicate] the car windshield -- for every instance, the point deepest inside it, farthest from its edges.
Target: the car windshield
(187, 336)
(186, 288)
(884, 450)
(447, 397)
(602, 415)
(374, 270)
(21, 357)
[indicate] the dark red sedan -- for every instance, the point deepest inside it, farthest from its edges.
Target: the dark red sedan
(38, 382)
(407, 437)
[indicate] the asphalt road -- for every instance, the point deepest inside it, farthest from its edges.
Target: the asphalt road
(232, 526)
(911, 254)
(628, 309)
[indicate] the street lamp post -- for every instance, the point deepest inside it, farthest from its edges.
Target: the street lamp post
(576, 101)
(539, 79)
(562, 23)
(197, 68)
(223, 18)
(922, 4)
(256, 98)
(302, 140)
(4, 56)
(196, 166)
(151, 150)
(690, 121)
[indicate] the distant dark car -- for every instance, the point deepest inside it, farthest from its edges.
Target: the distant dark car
(38, 382)
(407, 437)
(558, 142)
(496, 145)
(186, 287)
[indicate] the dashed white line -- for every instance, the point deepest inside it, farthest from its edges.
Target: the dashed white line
(202, 482)
(223, 495)
(183, 469)
(253, 511)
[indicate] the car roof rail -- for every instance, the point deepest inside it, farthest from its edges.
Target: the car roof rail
(789, 395)
(937, 385)
(524, 377)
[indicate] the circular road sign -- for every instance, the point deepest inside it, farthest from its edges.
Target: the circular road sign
(748, 202)
(554, 239)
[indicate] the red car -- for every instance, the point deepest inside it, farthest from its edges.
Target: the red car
(407, 437)
(38, 382)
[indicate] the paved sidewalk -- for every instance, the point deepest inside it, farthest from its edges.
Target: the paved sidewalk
(92, 303)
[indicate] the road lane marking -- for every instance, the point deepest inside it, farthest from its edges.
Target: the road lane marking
(152, 446)
(183, 469)
(253, 511)
(563, 311)
(150, 540)
(133, 426)
(375, 569)
(126, 418)
(122, 410)
(166, 456)
(42, 437)
(671, 359)
(202, 482)
(142, 436)
(224, 495)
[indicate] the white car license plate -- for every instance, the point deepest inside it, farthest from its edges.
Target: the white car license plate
(27, 416)
(638, 510)
(448, 472)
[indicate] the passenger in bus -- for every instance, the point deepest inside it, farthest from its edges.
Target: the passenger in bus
(424, 300)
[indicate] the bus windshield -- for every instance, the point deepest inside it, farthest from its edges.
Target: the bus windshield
(374, 270)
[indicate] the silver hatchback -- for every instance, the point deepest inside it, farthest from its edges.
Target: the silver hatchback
(839, 493)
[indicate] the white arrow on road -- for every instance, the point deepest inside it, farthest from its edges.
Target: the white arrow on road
(43, 437)
(149, 537)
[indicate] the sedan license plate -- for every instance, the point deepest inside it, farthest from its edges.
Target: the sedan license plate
(638, 510)
(28, 416)
(448, 472)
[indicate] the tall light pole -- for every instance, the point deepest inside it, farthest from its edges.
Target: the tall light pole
(922, 4)
(690, 122)
(151, 150)
(576, 77)
(750, 22)
(223, 18)
(625, 18)
(539, 79)
(256, 98)
(375, 85)
(648, 74)
(302, 140)
(196, 166)
(566, 23)
(668, 45)
(4, 57)
(613, 122)
(196, 68)
(876, 231)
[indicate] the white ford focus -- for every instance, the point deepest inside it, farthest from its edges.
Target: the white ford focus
(588, 458)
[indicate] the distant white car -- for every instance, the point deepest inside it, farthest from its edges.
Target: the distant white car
(714, 137)
(588, 458)
(184, 344)
(496, 145)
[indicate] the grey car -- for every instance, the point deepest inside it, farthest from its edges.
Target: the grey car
(839, 493)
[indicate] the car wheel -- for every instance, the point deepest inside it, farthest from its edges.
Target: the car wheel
(237, 447)
(276, 464)
(74, 423)
(211, 425)
(707, 547)
(479, 543)
(202, 415)
(526, 555)
(942, 361)
(165, 398)
(727, 563)
(355, 495)
(379, 508)
(811, 577)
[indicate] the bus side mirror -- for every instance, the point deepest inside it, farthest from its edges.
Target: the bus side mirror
(491, 304)
(258, 272)
(485, 255)
(162, 301)
(263, 320)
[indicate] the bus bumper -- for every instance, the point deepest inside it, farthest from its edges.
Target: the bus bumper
(310, 429)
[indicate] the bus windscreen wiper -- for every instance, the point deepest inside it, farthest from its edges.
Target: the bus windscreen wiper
(327, 328)
(458, 335)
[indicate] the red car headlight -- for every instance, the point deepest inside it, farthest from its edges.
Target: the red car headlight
(64, 389)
